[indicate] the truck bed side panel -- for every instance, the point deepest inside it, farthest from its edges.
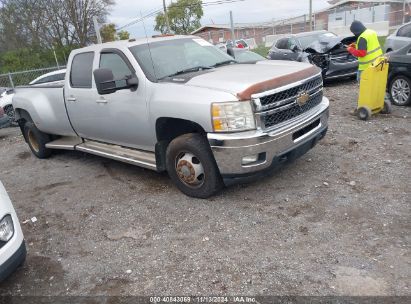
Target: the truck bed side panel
(46, 107)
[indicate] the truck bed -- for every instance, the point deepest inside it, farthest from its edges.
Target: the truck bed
(46, 106)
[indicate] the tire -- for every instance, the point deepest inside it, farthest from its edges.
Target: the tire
(387, 109)
(400, 91)
(191, 166)
(364, 113)
(37, 140)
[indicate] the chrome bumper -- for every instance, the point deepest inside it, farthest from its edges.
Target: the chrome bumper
(230, 149)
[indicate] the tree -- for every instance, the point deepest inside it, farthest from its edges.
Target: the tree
(29, 29)
(108, 32)
(184, 17)
(123, 35)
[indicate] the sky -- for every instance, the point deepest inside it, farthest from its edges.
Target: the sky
(126, 11)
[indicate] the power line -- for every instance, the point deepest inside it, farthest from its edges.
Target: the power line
(158, 10)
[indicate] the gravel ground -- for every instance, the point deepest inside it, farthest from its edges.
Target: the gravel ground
(335, 222)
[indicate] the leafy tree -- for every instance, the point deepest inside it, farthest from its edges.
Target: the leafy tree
(108, 32)
(184, 17)
(123, 35)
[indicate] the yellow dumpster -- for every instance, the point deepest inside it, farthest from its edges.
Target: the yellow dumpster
(373, 86)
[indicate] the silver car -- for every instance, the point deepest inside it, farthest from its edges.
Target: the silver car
(398, 39)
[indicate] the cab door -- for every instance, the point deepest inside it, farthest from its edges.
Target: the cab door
(119, 118)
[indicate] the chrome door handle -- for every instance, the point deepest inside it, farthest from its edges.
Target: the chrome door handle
(71, 99)
(101, 101)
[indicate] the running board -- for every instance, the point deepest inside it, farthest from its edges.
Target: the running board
(135, 157)
(65, 143)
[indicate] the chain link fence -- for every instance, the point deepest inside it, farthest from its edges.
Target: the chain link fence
(13, 79)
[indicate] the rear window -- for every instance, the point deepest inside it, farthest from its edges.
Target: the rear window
(82, 70)
(282, 44)
(405, 31)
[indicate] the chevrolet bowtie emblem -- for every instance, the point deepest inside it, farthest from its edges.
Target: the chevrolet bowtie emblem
(302, 98)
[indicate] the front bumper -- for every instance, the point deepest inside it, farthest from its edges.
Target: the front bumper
(18, 258)
(272, 146)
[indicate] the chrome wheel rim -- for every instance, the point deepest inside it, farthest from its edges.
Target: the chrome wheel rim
(400, 91)
(33, 142)
(189, 170)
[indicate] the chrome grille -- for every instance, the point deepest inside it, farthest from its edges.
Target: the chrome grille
(290, 112)
(280, 98)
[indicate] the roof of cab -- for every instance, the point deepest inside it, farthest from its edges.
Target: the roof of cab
(131, 42)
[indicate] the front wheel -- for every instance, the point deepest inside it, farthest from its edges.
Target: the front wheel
(191, 166)
(37, 140)
(400, 91)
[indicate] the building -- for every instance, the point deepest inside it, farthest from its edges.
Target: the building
(216, 33)
(382, 15)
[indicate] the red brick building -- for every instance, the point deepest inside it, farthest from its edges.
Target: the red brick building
(340, 12)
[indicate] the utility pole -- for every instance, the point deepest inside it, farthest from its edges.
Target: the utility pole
(403, 11)
(166, 15)
(311, 15)
(232, 26)
(55, 57)
(97, 29)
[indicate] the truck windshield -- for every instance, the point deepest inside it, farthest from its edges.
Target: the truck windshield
(172, 57)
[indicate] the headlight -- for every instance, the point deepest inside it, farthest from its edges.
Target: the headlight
(232, 116)
(6, 228)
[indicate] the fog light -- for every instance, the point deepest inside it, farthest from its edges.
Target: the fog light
(6, 228)
(246, 160)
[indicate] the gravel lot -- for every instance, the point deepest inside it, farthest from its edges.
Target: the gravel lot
(335, 222)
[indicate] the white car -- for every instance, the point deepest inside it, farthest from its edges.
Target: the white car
(51, 78)
(12, 245)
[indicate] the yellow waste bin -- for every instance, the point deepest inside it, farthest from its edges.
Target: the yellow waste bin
(373, 86)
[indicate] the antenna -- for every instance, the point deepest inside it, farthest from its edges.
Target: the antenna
(148, 44)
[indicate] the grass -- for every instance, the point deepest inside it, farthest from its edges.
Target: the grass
(262, 50)
(382, 40)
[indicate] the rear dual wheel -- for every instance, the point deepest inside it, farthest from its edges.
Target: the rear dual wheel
(37, 140)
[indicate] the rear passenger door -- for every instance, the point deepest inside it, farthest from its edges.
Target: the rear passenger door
(119, 118)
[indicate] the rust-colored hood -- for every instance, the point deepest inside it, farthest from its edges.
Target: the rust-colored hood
(244, 80)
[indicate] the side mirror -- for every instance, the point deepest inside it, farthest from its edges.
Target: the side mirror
(132, 83)
(295, 48)
(105, 82)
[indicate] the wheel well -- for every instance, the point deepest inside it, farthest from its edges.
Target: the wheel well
(167, 129)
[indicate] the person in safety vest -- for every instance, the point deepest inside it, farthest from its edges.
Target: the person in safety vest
(367, 48)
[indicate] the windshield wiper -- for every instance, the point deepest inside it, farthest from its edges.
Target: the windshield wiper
(224, 63)
(189, 70)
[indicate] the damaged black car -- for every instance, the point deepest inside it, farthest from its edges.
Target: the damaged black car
(324, 49)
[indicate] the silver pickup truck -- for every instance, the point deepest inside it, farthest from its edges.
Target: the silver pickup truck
(178, 104)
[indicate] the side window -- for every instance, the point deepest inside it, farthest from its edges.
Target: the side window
(282, 44)
(115, 63)
(81, 74)
(405, 31)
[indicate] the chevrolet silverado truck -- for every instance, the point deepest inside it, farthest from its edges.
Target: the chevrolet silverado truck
(178, 104)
